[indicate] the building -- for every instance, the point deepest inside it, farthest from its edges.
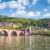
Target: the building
(49, 25)
(4, 24)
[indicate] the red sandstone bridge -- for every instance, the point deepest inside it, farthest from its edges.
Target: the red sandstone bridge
(26, 31)
(7, 32)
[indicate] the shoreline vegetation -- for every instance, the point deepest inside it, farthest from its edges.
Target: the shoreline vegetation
(12, 28)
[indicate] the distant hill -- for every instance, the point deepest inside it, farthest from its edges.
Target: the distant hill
(23, 22)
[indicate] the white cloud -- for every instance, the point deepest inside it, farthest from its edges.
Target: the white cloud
(13, 14)
(49, 1)
(23, 13)
(33, 14)
(11, 4)
(37, 13)
(19, 4)
(34, 2)
(20, 8)
(24, 2)
(27, 2)
(18, 13)
(2, 5)
(11, 10)
(47, 15)
(45, 10)
(30, 14)
(14, 4)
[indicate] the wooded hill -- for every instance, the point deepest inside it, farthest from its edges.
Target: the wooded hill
(23, 22)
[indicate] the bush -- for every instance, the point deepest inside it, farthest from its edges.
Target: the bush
(46, 32)
(11, 28)
(40, 31)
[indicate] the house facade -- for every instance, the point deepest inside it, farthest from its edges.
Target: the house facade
(4, 24)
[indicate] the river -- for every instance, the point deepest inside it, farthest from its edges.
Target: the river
(25, 43)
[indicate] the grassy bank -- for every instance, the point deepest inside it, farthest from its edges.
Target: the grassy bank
(9, 28)
(41, 32)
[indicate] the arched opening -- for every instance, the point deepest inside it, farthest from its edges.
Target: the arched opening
(1, 33)
(28, 30)
(21, 34)
(13, 33)
(5, 33)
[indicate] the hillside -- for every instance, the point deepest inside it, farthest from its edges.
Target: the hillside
(23, 22)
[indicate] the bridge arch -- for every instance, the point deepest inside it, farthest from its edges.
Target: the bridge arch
(21, 34)
(5, 33)
(13, 33)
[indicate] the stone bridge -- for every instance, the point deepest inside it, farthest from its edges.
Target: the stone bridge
(7, 32)
(26, 31)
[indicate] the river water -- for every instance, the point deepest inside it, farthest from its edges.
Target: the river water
(25, 43)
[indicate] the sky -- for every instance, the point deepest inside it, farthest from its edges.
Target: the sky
(35, 9)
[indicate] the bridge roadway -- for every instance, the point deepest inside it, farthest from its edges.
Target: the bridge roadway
(14, 32)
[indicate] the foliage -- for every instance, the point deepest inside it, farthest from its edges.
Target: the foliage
(23, 22)
(10, 28)
(40, 31)
(46, 32)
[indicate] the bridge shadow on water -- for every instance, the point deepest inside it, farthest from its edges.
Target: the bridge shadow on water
(21, 34)
(13, 33)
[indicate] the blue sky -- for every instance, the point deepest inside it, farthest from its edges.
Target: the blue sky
(35, 9)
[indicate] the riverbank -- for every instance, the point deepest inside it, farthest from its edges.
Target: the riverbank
(42, 34)
(32, 35)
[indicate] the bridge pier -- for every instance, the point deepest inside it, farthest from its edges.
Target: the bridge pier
(28, 31)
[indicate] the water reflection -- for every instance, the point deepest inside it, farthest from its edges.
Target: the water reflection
(25, 43)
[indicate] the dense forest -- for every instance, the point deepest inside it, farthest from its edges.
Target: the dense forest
(23, 22)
